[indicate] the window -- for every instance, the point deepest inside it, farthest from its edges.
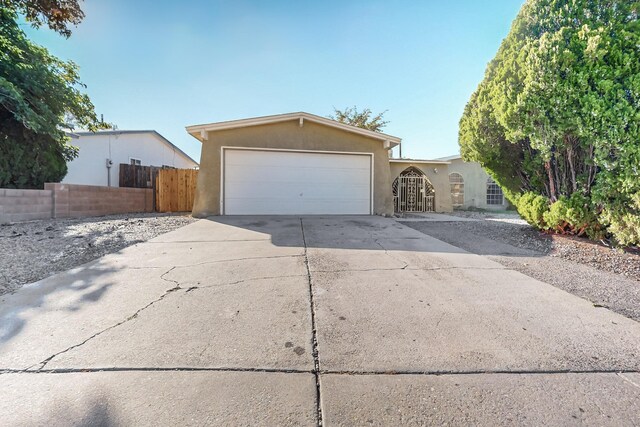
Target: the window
(494, 193)
(457, 189)
(135, 162)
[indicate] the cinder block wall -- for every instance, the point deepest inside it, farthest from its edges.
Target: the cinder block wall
(72, 201)
(87, 200)
(25, 205)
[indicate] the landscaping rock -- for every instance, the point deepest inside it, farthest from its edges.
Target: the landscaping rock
(37, 249)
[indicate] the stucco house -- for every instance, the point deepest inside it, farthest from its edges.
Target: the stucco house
(295, 163)
(472, 187)
(300, 163)
(101, 153)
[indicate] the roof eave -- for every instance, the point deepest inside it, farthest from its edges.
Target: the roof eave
(197, 131)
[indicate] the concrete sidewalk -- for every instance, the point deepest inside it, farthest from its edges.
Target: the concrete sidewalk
(290, 321)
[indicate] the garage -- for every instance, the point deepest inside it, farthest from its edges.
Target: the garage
(277, 182)
(292, 164)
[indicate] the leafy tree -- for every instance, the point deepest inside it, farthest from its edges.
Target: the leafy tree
(58, 15)
(39, 98)
(362, 119)
(558, 114)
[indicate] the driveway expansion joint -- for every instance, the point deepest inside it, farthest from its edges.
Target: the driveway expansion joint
(387, 373)
(411, 269)
(436, 373)
(314, 332)
(155, 369)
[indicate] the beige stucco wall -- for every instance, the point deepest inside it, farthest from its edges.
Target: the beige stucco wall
(439, 180)
(288, 135)
(475, 185)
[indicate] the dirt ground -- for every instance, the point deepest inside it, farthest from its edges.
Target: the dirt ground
(33, 250)
(607, 277)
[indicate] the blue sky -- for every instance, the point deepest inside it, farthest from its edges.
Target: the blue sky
(166, 65)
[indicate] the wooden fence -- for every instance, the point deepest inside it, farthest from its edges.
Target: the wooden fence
(175, 189)
(135, 176)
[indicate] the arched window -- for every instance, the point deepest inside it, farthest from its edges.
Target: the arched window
(494, 193)
(457, 189)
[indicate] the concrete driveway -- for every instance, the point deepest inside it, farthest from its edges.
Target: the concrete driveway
(300, 321)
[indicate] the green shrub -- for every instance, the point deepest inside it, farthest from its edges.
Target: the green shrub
(533, 207)
(556, 217)
(624, 223)
(625, 228)
(581, 214)
(574, 215)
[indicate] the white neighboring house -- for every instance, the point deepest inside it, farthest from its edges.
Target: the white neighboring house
(100, 155)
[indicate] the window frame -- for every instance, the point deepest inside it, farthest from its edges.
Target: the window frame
(457, 196)
(494, 194)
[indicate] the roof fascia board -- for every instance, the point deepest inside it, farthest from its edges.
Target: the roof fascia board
(196, 129)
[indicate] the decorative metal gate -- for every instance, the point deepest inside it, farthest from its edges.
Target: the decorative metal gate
(412, 192)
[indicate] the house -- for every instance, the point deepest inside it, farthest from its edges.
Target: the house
(101, 153)
(472, 187)
(300, 163)
(295, 163)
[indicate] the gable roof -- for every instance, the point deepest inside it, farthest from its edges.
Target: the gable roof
(198, 131)
(131, 132)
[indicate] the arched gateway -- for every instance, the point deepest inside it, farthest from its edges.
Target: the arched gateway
(412, 192)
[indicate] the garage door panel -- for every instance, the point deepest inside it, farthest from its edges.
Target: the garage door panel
(274, 182)
(256, 158)
(302, 177)
(271, 171)
(286, 206)
(288, 190)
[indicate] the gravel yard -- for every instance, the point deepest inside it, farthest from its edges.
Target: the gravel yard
(606, 277)
(34, 250)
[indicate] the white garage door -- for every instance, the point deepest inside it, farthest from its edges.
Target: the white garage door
(284, 182)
